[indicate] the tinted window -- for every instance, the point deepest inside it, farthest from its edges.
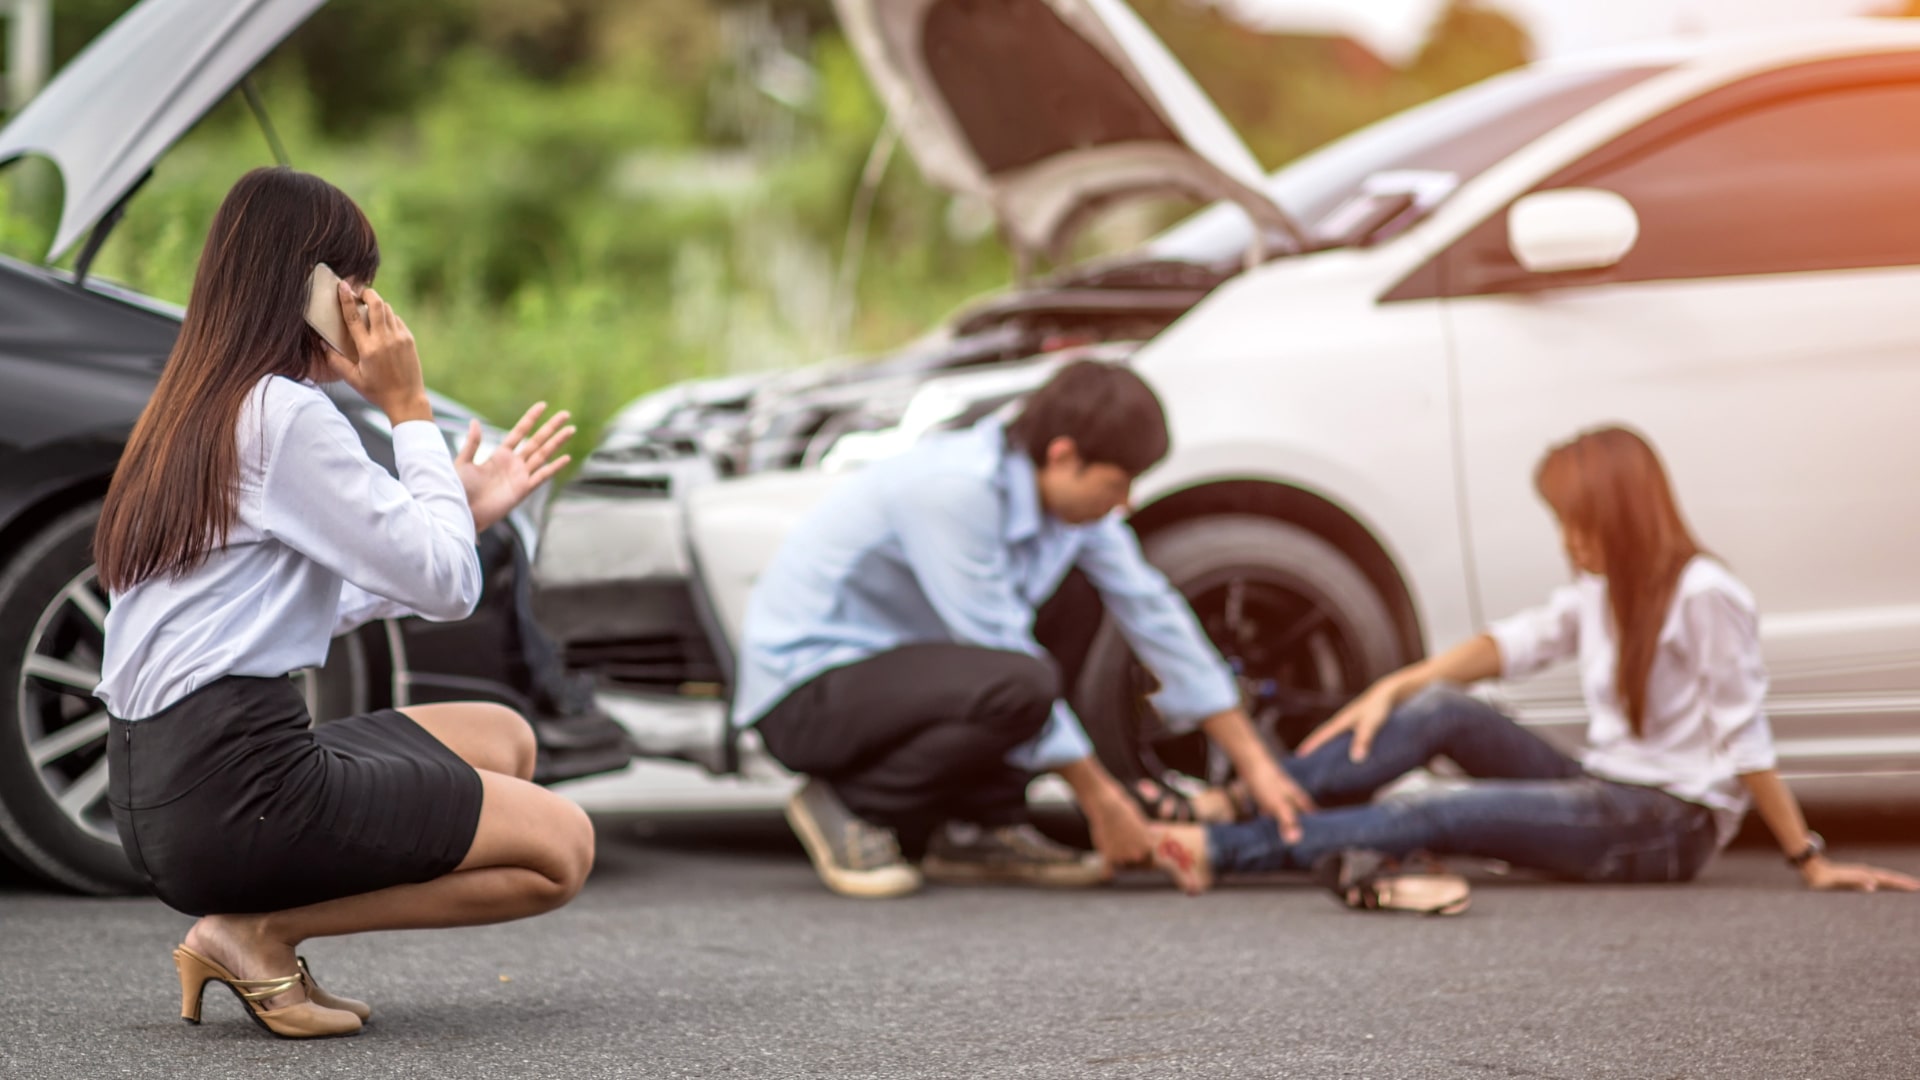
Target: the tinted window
(1819, 182)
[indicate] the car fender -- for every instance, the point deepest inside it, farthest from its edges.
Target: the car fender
(734, 528)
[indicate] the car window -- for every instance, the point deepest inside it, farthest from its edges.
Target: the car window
(1821, 182)
(1464, 133)
(1807, 169)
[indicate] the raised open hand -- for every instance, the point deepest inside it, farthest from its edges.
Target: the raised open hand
(521, 463)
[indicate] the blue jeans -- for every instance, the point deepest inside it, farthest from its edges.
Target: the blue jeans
(1530, 805)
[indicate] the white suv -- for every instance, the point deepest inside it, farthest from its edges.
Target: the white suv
(1714, 242)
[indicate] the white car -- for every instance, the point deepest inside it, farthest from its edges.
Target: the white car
(1715, 242)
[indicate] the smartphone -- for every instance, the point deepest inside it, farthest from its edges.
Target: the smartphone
(323, 311)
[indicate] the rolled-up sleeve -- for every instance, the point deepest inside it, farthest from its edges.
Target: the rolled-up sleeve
(1538, 638)
(1725, 631)
(949, 529)
(1159, 624)
(407, 545)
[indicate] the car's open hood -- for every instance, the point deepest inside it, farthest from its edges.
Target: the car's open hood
(119, 105)
(1050, 110)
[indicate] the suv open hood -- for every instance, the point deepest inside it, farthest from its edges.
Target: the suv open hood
(1050, 110)
(125, 100)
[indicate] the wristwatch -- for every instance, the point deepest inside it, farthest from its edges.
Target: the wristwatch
(1816, 847)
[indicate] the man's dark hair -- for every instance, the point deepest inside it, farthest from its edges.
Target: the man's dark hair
(1111, 414)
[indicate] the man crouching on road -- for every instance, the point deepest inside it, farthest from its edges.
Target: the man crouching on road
(890, 652)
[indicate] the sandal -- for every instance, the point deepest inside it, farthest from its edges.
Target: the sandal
(301, 1020)
(1373, 881)
(1162, 802)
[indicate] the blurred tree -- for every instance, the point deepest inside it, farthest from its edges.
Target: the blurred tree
(1468, 43)
(1287, 94)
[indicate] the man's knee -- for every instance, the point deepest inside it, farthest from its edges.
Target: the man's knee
(1022, 694)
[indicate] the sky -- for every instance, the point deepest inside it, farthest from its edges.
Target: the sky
(1396, 29)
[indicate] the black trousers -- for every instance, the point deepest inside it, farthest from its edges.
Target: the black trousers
(919, 735)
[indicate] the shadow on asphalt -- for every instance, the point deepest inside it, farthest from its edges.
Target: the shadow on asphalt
(765, 834)
(761, 832)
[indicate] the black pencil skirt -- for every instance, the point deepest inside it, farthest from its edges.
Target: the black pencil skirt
(230, 801)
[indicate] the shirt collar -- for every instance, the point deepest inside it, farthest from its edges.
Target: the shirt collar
(1019, 485)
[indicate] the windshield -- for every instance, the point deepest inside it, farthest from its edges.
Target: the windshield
(1464, 133)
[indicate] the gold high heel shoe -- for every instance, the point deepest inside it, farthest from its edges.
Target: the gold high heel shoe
(331, 1001)
(303, 1020)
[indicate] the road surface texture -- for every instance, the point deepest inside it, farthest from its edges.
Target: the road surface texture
(706, 948)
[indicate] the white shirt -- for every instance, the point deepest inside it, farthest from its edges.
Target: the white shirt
(1705, 724)
(324, 540)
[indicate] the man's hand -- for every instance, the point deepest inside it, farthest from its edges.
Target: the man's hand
(1833, 876)
(514, 469)
(1119, 831)
(1274, 793)
(1277, 796)
(1119, 828)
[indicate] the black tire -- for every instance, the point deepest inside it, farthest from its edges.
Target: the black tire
(72, 846)
(49, 600)
(1307, 633)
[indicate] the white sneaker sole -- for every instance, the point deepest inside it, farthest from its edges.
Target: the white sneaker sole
(1085, 874)
(882, 884)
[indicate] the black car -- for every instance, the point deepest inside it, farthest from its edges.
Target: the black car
(78, 360)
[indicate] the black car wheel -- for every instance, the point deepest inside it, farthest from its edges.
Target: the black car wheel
(1303, 628)
(54, 818)
(53, 739)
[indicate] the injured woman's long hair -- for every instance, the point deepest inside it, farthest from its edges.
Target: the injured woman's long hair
(1609, 488)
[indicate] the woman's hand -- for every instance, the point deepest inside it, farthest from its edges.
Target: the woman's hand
(387, 372)
(515, 468)
(1834, 876)
(1363, 716)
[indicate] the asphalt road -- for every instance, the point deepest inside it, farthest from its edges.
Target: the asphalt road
(707, 948)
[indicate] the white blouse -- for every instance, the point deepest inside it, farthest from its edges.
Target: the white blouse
(1705, 723)
(325, 539)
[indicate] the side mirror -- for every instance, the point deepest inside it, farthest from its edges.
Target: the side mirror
(1552, 232)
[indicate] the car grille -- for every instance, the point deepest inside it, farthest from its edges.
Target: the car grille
(672, 663)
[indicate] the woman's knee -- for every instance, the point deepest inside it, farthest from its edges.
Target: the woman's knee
(575, 845)
(485, 735)
(531, 828)
(1445, 704)
(565, 856)
(514, 735)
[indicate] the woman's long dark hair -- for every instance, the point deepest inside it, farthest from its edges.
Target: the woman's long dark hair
(1608, 486)
(174, 495)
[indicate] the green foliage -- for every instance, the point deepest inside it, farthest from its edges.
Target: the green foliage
(582, 200)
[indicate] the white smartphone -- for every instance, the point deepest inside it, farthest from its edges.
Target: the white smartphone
(323, 311)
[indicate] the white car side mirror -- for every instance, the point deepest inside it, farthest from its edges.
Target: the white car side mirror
(1552, 232)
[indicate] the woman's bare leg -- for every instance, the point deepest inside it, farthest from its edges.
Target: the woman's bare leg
(531, 853)
(491, 738)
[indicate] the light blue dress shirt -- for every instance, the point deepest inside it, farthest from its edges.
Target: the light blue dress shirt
(948, 543)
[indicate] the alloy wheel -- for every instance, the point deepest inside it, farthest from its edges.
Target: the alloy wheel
(1289, 650)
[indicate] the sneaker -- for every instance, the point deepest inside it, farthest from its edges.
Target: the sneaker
(1011, 854)
(854, 857)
